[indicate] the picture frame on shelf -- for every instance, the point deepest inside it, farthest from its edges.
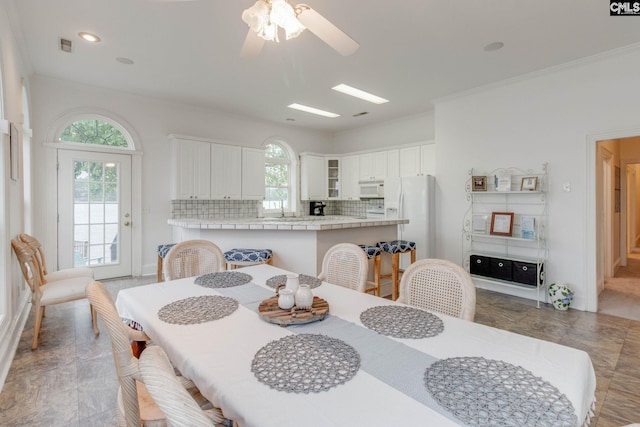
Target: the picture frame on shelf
(529, 183)
(502, 223)
(527, 227)
(479, 224)
(503, 182)
(14, 136)
(479, 183)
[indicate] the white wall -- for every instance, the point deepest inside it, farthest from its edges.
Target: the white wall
(151, 120)
(548, 117)
(14, 297)
(416, 128)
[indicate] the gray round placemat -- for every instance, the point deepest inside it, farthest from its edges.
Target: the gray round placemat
(402, 322)
(313, 282)
(305, 363)
(193, 310)
(223, 279)
(485, 392)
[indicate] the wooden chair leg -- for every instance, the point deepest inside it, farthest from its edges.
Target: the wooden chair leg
(160, 278)
(395, 267)
(94, 319)
(413, 256)
(36, 329)
(376, 274)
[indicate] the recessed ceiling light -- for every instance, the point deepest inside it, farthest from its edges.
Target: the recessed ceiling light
(125, 61)
(493, 46)
(89, 37)
(313, 110)
(359, 94)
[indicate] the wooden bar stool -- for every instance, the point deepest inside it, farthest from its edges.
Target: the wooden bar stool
(163, 250)
(397, 248)
(242, 257)
(373, 252)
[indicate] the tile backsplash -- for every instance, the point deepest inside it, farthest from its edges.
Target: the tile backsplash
(205, 209)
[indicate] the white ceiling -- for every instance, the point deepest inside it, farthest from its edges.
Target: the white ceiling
(411, 51)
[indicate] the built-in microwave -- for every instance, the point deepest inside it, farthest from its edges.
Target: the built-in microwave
(371, 189)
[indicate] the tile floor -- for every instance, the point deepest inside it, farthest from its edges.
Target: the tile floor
(70, 379)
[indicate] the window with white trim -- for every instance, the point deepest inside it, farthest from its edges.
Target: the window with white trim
(278, 177)
(96, 131)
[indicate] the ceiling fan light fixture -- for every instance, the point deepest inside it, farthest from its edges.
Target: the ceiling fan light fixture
(348, 90)
(313, 110)
(266, 16)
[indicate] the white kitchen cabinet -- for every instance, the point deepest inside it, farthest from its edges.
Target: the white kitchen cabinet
(393, 163)
(333, 178)
(313, 177)
(373, 166)
(428, 159)
(410, 160)
(350, 177)
(253, 170)
(226, 172)
(191, 170)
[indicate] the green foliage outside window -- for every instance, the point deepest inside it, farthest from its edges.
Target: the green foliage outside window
(94, 132)
(277, 167)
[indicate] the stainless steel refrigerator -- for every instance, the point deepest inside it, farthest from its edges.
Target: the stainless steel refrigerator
(413, 198)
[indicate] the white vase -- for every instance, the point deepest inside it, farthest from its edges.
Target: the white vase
(293, 281)
(304, 297)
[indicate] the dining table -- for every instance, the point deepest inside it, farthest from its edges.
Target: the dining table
(368, 361)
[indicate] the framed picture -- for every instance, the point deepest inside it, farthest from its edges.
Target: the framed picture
(503, 182)
(502, 223)
(479, 183)
(529, 183)
(479, 224)
(13, 150)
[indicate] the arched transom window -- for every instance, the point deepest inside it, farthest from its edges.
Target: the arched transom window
(96, 132)
(277, 177)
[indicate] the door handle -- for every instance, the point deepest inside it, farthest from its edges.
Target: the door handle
(127, 223)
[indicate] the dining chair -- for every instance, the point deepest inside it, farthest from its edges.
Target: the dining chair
(193, 258)
(345, 264)
(165, 388)
(47, 276)
(441, 286)
(135, 406)
(49, 293)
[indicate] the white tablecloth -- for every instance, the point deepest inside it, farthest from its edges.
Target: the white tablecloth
(217, 356)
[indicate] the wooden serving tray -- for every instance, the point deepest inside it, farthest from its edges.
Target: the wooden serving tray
(270, 312)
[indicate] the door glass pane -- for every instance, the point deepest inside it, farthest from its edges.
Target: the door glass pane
(96, 222)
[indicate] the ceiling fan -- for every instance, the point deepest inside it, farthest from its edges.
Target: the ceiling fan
(265, 17)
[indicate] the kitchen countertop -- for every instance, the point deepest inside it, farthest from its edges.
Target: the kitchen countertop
(312, 223)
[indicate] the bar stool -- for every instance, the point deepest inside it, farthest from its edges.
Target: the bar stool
(242, 257)
(373, 252)
(396, 248)
(163, 250)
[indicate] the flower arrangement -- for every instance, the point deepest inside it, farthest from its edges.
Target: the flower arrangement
(561, 296)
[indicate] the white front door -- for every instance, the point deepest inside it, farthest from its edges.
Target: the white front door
(94, 212)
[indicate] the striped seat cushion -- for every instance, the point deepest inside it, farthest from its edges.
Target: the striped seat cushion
(397, 246)
(248, 255)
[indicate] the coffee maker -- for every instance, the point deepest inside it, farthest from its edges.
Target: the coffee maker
(316, 208)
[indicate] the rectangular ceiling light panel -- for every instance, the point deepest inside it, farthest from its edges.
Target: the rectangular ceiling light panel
(359, 94)
(313, 110)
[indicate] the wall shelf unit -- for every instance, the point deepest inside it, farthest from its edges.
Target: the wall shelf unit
(504, 228)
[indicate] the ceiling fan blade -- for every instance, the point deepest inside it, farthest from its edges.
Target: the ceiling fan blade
(252, 45)
(326, 31)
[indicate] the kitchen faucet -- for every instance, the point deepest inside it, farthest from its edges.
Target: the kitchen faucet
(281, 208)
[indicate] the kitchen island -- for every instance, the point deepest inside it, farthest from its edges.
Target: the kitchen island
(298, 243)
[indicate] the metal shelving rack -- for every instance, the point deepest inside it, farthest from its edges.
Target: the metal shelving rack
(528, 204)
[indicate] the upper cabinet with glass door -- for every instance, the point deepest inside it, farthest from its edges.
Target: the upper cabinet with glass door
(333, 178)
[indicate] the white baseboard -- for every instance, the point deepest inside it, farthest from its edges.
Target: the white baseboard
(9, 339)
